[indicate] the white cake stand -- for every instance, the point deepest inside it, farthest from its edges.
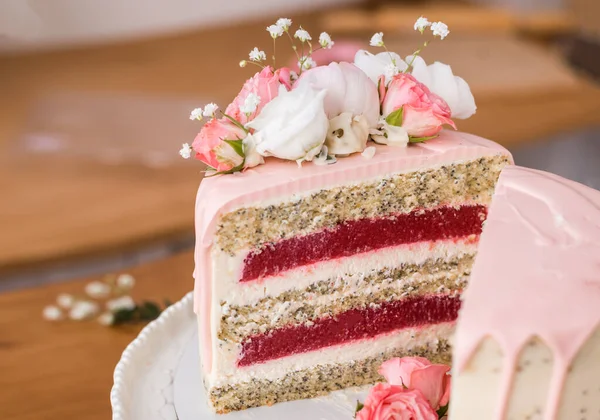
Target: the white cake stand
(158, 378)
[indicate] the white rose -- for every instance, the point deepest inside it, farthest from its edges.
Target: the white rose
(379, 64)
(348, 90)
(438, 77)
(347, 134)
(252, 157)
(292, 126)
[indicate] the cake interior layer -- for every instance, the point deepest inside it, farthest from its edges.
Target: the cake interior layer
(327, 375)
(358, 236)
(348, 326)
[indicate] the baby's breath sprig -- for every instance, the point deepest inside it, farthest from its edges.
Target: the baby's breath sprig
(438, 29)
(377, 41)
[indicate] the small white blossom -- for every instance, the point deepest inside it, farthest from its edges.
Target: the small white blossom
(186, 151)
(284, 23)
(97, 289)
(390, 70)
(275, 30)
(250, 104)
(196, 114)
(52, 313)
(106, 319)
(125, 281)
(302, 35)
(421, 24)
(243, 63)
(293, 75)
(369, 152)
(257, 55)
(123, 302)
(83, 309)
(65, 301)
(210, 109)
(440, 29)
(377, 40)
(325, 40)
(306, 63)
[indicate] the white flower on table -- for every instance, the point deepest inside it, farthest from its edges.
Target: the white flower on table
(257, 55)
(83, 309)
(196, 114)
(123, 302)
(302, 35)
(210, 109)
(250, 104)
(284, 23)
(377, 40)
(385, 64)
(106, 319)
(185, 151)
(275, 30)
(421, 24)
(97, 289)
(65, 300)
(52, 313)
(292, 126)
(438, 77)
(440, 29)
(125, 281)
(325, 40)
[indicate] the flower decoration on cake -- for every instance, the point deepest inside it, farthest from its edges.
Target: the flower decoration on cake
(322, 113)
(415, 389)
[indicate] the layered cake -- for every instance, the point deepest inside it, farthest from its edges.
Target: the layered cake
(339, 225)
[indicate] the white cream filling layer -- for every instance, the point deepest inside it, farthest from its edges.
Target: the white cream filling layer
(226, 371)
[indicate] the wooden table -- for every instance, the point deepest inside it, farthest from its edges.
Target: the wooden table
(63, 370)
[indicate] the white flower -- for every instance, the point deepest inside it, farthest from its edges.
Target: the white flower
(302, 35)
(83, 309)
(65, 300)
(125, 281)
(275, 30)
(293, 125)
(375, 65)
(369, 152)
(348, 90)
(196, 114)
(210, 109)
(390, 135)
(251, 155)
(243, 63)
(440, 29)
(257, 55)
(347, 134)
(421, 24)
(306, 63)
(325, 40)
(438, 77)
(185, 151)
(293, 75)
(106, 319)
(97, 290)
(377, 40)
(250, 103)
(284, 23)
(52, 313)
(123, 302)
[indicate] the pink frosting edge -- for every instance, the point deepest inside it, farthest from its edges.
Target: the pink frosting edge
(539, 252)
(220, 194)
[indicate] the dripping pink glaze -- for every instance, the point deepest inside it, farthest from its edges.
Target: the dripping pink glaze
(278, 178)
(536, 274)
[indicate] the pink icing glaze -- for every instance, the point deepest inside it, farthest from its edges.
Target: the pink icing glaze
(536, 274)
(278, 178)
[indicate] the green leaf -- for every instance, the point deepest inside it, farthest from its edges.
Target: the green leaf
(395, 118)
(359, 406)
(237, 146)
(442, 411)
(149, 311)
(123, 316)
(420, 139)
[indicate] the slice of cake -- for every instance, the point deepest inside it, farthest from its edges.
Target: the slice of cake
(528, 336)
(307, 278)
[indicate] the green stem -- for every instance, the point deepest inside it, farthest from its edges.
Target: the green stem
(293, 46)
(274, 66)
(235, 122)
(414, 56)
(255, 63)
(390, 54)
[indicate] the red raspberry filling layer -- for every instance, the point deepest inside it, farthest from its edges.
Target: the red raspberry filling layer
(355, 324)
(356, 236)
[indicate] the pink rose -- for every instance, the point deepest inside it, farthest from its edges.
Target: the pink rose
(432, 380)
(212, 150)
(265, 84)
(423, 112)
(394, 402)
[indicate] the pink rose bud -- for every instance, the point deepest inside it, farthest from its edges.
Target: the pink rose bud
(386, 401)
(212, 150)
